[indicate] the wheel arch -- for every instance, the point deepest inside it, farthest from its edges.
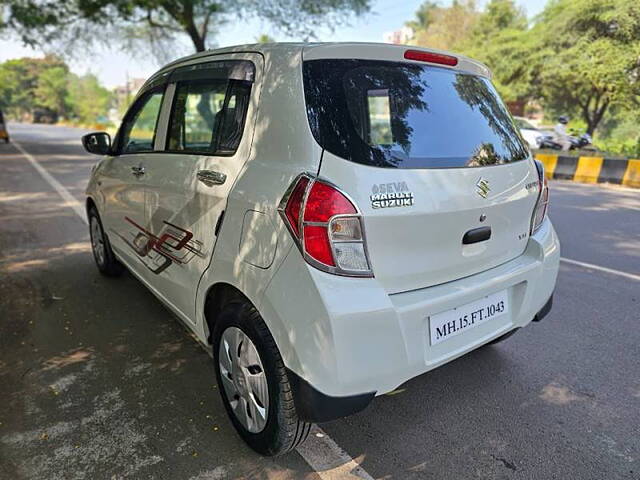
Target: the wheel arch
(217, 296)
(220, 293)
(89, 204)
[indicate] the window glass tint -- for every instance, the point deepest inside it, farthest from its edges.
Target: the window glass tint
(405, 115)
(208, 116)
(138, 132)
(234, 116)
(197, 111)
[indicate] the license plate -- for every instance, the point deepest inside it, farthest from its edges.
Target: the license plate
(445, 325)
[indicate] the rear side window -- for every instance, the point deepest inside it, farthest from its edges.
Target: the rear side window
(210, 107)
(139, 127)
(197, 112)
(406, 115)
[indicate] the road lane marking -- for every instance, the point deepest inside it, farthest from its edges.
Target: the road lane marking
(70, 200)
(322, 454)
(328, 460)
(611, 271)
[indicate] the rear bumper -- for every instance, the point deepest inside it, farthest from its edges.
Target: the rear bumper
(346, 337)
(546, 308)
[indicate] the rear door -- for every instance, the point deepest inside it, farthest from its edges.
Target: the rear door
(122, 177)
(208, 140)
(431, 157)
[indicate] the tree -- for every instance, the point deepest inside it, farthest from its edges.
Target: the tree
(443, 28)
(42, 21)
(500, 39)
(33, 87)
(264, 38)
(25, 85)
(588, 57)
(87, 99)
(51, 89)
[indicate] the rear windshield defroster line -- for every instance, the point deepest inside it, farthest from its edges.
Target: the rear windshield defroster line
(407, 115)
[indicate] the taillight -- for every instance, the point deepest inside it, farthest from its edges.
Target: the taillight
(540, 212)
(327, 227)
(295, 203)
(431, 57)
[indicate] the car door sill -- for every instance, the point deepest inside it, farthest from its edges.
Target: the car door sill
(175, 310)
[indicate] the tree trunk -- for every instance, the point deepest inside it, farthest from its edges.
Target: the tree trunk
(594, 118)
(184, 16)
(196, 38)
(593, 112)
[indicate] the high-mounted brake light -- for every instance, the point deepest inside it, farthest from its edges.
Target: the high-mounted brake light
(431, 57)
(326, 226)
(540, 211)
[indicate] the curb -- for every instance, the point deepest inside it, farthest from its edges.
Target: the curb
(591, 169)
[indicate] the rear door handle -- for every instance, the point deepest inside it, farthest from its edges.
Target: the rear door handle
(211, 178)
(137, 171)
(476, 235)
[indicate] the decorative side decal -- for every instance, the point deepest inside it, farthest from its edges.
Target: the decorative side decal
(173, 245)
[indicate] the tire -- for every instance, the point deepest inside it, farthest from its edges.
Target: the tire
(280, 430)
(102, 253)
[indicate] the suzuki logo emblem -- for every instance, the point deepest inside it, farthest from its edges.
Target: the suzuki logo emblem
(483, 187)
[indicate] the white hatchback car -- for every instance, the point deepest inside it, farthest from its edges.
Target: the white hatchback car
(332, 219)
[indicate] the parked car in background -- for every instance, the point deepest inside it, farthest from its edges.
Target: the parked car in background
(4, 133)
(530, 133)
(44, 115)
(535, 137)
(332, 219)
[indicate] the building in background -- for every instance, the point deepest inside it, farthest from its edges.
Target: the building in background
(398, 37)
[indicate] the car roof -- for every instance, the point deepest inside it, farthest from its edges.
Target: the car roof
(317, 50)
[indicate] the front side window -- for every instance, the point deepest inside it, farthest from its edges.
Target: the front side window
(139, 128)
(408, 115)
(208, 116)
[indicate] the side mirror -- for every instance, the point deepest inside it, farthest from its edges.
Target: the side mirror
(98, 143)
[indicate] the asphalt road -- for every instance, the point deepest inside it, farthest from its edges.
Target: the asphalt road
(99, 381)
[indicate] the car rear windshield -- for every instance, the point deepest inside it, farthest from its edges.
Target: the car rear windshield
(406, 115)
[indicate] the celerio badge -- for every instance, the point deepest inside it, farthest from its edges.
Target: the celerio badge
(396, 194)
(483, 187)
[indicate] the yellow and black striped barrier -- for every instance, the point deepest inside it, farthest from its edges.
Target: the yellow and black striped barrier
(591, 169)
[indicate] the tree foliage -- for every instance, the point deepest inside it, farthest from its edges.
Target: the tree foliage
(500, 39)
(164, 21)
(587, 57)
(32, 86)
(578, 58)
(443, 27)
(264, 38)
(87, 99)
(20, 84)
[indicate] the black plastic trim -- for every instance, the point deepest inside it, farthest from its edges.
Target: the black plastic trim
(544, 310)
(314, 406)
(476, 235)
(219, 223)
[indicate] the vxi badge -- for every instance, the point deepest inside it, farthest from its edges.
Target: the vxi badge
(483, 187)
(394, 194)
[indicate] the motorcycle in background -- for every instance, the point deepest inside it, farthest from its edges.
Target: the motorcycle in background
(581, 142)
(578, 142)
